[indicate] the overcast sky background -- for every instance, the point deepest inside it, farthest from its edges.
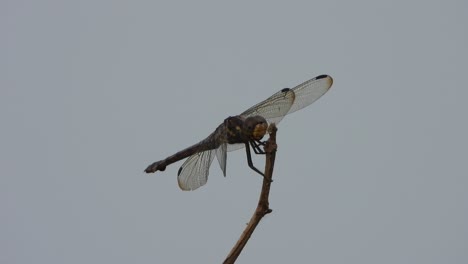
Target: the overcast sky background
(94, 91)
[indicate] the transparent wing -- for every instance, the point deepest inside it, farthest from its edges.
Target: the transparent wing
(233, 147)
(274, 108)
(221, 155)
(288, 100)
(194, 172)
(309, 91)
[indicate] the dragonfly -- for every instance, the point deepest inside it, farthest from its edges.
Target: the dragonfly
(244, 130)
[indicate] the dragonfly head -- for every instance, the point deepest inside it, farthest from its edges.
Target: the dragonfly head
(255, 127)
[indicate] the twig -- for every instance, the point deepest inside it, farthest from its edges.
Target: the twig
(263, 204)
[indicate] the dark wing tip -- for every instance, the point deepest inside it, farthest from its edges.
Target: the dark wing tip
(321, 76)
(324, 76)
(284, 90)
(180, 170)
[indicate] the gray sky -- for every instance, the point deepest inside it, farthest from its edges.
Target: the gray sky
(94, 91)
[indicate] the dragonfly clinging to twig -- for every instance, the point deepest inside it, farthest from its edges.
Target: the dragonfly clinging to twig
(244, 130)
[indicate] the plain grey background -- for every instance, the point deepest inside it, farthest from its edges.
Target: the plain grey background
(94, 91)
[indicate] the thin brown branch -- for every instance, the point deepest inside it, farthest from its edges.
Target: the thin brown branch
(263, 203)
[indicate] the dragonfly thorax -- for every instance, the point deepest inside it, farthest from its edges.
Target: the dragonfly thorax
(243, 130)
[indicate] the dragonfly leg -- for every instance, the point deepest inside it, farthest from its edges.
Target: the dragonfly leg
(256, 146)
(249, 160)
